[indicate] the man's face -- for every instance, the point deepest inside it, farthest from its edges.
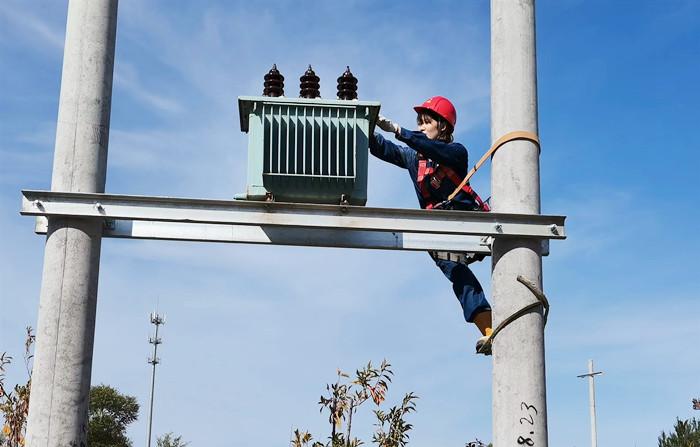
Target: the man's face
(429, 127)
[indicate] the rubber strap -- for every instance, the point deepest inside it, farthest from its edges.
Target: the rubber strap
(510, 136)
(541, 302)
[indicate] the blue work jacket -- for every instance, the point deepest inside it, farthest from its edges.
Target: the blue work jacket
(452, 155)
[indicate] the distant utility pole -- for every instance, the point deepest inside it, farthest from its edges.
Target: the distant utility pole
(591, 397)
(156, 320)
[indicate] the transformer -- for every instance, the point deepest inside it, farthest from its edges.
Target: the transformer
(307, 150)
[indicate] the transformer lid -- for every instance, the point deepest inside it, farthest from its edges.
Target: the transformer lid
(247, 105)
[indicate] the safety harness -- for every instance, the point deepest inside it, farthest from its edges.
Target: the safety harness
(433, 174)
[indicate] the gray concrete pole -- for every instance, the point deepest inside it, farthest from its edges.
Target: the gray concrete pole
(591, 403)
(58, 404)
(591, 400)
(519, 392)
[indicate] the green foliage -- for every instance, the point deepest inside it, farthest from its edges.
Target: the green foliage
(392, 429)
(170, 440)
(301, 438)
(346, 396)
(110, 414)
(685, 434)
(14, 404)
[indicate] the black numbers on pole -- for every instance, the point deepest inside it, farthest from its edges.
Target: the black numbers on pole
(530, 419)
(527, 407)
(525, 441)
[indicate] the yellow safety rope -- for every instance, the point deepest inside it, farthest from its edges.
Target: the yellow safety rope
(510, 136)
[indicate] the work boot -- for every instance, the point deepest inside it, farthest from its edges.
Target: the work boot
(483, 345)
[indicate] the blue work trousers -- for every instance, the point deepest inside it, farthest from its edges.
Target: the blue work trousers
(466, 287)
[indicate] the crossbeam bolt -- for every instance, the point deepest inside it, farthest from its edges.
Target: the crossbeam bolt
(553, 228)
(498, 227)
(99, 207)
(37, 203)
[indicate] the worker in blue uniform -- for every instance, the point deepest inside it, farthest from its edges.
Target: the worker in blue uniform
(437, 165)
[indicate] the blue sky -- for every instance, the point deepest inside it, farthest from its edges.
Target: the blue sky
(254, 333)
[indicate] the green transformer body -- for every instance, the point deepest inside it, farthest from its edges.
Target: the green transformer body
(307, 150)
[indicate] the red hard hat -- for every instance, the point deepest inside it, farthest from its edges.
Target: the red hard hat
(440, 105)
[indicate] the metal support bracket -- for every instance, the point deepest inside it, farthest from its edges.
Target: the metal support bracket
(277, 223)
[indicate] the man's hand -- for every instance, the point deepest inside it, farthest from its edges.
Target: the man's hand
(387, 125)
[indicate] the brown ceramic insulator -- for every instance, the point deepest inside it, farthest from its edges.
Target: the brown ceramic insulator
(274, 83)
(347, 85)
(309, 84)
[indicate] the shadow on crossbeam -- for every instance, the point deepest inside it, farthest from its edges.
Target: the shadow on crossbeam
(272, 235)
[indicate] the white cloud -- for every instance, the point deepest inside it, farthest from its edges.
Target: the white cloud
(126, 77)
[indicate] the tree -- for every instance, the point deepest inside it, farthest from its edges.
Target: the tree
(170, 440)
(686, 434)
(110, 414)
(14, 404)
(396, 432)
(343, 399)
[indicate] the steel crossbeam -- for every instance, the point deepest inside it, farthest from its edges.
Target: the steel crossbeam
(166, 218)
(275, 235)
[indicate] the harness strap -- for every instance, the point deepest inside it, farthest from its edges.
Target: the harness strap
(441, 171)
(510, 136)
(424, 171)
(422, 166)
(454, 178)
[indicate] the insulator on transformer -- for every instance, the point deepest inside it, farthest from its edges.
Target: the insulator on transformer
(274, 83)
(347, 85)
(309, 87)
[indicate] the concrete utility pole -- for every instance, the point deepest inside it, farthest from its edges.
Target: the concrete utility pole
(591, 401)
(58, 404)
(519, 392)
(156, 320)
